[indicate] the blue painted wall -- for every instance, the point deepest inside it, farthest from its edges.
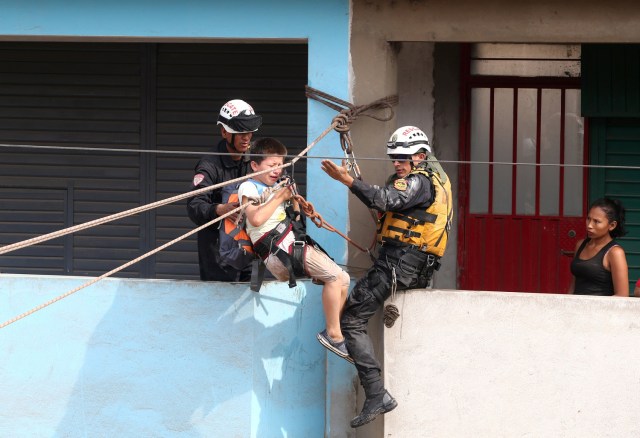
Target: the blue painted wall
(324, 25)
(164, 358)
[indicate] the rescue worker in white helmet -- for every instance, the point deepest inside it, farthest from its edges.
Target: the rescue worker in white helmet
(238, 121)
(412, 236)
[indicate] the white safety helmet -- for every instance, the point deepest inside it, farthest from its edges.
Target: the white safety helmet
(237, 117)
(408, 140)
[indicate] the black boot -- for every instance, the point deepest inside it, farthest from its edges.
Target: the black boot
(378, 402)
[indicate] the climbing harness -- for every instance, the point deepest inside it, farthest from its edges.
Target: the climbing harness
(350, 112)
(391, 312)
(293, 260)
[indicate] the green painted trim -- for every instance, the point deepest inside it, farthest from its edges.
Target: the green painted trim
(610, 80)
(597, 145)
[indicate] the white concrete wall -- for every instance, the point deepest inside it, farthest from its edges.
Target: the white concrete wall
(485, 364)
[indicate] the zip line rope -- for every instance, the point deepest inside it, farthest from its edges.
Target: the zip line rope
(240, 208)
(121, 267)
(348, 115)
(22, 244)
(322, 157)
(55, 234)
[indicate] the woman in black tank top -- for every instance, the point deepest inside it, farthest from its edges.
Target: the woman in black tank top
(599, 266)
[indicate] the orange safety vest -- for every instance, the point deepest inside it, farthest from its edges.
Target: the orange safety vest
(426, 229)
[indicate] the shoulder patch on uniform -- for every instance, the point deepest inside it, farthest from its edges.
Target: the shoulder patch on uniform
(400, 184)
(197, 179)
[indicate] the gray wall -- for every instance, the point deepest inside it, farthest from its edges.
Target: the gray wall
(485, 364)
(402, 48)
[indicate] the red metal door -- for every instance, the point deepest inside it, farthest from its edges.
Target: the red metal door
(523, 196)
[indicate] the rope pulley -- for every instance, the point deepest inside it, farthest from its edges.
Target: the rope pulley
(348, 113)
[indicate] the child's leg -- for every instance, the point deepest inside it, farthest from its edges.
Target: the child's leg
(277, 269)
(333, 327)
(344, 293)
(334, 293)
(333, 303)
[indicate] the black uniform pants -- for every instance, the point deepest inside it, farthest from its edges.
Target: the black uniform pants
(368, 296)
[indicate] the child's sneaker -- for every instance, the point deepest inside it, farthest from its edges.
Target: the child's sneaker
(339, 348)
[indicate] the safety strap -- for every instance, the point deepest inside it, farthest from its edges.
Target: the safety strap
(391, 312)
(293, 260)
(257, 274)
(285, 259)
(416, 217)
(298, 249)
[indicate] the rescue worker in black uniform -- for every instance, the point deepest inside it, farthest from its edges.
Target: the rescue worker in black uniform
(238, 121)
(412, 232)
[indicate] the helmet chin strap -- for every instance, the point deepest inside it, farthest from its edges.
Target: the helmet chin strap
(233, 142)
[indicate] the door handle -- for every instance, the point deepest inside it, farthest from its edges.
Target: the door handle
(567, 253)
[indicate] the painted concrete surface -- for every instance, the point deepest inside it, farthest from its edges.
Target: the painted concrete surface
(499, 20)
(164, 358)
(169, 19)
(382, 63)
(482, 364)
(323, 26)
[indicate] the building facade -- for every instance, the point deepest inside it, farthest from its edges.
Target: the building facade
(499, 83)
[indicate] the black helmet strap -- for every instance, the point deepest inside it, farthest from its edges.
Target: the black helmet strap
(233, 143)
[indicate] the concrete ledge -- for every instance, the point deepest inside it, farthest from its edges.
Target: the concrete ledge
(487, 364)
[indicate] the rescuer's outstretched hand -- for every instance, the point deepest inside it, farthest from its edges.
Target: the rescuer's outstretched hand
(339, 173)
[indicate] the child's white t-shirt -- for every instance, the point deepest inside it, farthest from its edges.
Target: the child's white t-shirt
(253, 189)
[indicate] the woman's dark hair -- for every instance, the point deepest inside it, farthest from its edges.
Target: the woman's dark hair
(615, 211)
(267, 147)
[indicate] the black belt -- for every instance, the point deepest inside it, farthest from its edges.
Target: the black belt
(424, 264)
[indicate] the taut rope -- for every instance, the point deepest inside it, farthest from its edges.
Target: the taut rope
(353, 112)
(120, 268)
(348, 114)
(25, 243)
(318, 220)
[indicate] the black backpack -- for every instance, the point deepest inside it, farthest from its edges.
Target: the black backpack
(236, 249)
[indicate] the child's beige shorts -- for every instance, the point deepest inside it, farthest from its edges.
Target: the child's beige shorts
(316, 264)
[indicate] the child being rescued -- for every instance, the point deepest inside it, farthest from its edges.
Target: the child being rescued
(275, 241)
